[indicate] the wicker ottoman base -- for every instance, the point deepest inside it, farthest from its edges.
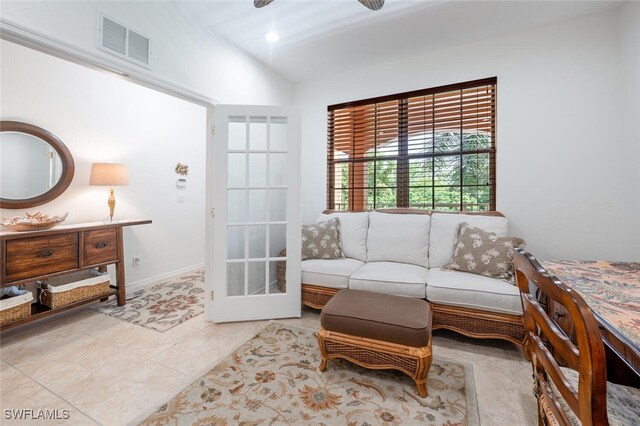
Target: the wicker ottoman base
(377, 355)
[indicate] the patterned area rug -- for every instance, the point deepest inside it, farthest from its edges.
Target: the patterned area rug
(161, 306)
(273, 379)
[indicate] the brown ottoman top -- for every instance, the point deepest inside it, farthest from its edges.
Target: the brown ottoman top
(378, 316)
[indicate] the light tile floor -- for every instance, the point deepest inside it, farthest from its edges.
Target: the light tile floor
(106, 371)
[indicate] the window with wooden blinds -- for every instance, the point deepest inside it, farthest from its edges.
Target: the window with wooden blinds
(432, 148)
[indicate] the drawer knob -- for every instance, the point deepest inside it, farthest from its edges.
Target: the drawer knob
(101, 244)
(45, 253)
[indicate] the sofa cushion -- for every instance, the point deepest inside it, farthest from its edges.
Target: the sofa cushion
(322, 240)
(353, 232)
(398, 238)
(443, 233)
(377, 316)
(473, 291)
(483, 253)
(400, 279)
(332, 273)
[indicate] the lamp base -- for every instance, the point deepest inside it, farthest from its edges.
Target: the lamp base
(111, 203)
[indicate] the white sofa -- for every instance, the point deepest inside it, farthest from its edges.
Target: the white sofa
(400, 252)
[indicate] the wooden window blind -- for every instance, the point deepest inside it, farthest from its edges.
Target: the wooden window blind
(433, 148)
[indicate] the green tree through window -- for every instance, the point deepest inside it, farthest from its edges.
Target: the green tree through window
(433, 148)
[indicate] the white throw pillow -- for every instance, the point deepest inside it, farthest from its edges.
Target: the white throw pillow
(443, 233)
(353, 231)
(399, 238)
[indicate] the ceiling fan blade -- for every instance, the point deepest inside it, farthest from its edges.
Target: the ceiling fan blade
(370, 4)
(262, 3)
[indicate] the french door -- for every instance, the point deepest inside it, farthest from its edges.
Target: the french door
(255, 200)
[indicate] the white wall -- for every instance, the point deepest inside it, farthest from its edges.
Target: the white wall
(181, 55)
(102, 118)
(563, 177)
(630, 78)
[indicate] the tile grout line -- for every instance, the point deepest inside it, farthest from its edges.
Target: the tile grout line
(187, 378)
(33, 379)
(50, 390)
(164, 397)
(528, 392)
(85, 333)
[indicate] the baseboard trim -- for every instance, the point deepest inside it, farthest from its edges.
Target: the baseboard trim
(166, 275)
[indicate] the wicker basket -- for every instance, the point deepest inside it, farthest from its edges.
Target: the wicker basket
(281, 269)
(72, 288)
(16, 308)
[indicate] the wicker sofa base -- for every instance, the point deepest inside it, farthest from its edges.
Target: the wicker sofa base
(479, 324)
(377, 355)
(470, 322)
(315, 296)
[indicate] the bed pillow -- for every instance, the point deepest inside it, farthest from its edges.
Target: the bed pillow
(484, 253)
(322, 240)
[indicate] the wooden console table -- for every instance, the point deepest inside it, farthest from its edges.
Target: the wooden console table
(35, 255)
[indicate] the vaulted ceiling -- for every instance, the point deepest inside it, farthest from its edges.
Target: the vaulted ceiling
(326, 36)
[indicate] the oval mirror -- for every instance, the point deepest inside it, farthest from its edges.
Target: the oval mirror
(35, 166)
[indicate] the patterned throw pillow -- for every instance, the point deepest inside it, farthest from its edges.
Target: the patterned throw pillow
(483, 253)
(322, 241)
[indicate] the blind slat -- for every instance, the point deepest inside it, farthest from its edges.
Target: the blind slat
(433, 148)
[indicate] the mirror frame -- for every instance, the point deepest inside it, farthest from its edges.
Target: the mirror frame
(68, 166)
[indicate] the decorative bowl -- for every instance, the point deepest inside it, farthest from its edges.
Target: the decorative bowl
(33, 222)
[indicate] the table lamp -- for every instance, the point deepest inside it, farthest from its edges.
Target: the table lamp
(109, 174)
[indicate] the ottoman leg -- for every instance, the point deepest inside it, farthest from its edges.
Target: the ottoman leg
(422, 372)
(422, 388)
(323, 352)
(323, 364)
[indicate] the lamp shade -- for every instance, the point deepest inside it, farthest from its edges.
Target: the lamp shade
(109, 174)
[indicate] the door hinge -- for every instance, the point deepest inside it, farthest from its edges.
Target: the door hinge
(213, 130)
(211, 294)
(213, 213)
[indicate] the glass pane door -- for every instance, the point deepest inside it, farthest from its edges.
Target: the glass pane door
(256, 204)
(260, 194)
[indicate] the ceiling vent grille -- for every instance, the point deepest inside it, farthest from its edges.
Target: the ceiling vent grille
(122, 41)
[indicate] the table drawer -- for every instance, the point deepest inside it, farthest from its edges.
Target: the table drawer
(32, 257)
(100, 246)
(560, 316)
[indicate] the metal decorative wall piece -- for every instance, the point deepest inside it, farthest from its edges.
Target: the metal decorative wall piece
(182, 169)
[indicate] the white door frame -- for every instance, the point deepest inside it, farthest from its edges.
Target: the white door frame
(209, 217)
(251, 307)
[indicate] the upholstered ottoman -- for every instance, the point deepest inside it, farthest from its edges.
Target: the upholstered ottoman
(378, 331)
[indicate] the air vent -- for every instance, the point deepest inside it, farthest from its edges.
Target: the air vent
(138, 47)
(122, 41)
(114, 37)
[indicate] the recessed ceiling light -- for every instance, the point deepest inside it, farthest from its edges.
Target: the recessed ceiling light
(272, 36)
